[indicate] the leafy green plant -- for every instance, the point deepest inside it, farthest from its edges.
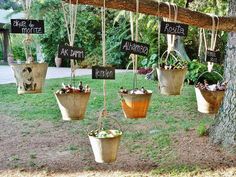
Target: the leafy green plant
(148, 62)
(19, 53)
(196, 68)
(172, 61)
(202, 129)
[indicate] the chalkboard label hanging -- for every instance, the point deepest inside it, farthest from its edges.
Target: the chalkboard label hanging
(68, 52)
(100, 72)
(174, 28)
(135, 47)
(213, 56)
(27, 26)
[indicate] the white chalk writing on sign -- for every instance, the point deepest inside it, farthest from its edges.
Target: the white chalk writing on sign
(27, 26)
(135, 47)
(104, 74)
(213, 56)
(69, 52)
(174, 28)
(99, 72)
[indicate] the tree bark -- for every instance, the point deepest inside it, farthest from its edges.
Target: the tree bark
(150, 7)
(223, 130)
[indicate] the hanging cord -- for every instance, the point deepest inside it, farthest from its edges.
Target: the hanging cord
(136, 39)
(171, 38)
(159, 32)
(103, 16)
(132, 56)
(134, 36)
(202, 38)
(215, 27)
(26, 4)
(70, 16)
(26, 7)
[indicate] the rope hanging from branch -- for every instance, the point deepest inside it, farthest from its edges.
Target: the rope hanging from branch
(134, 36)
(171, 38)
(159, 33)
(27, 42)
(26, 7)
(203, 39)
(103, 16)
(70, 17)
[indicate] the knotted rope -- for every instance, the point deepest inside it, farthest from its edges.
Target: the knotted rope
(134, 36)
(103, 16)
(27, 42)
(214, 31)
(70, 16)
(171, 38)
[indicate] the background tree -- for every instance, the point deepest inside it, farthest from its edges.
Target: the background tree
(89, 32)
(223, 130)
(10, 4)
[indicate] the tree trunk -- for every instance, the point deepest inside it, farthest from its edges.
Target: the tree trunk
(223, 131)
(150, 7)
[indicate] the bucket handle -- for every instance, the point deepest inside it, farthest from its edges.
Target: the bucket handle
(169, 53)
(104, 115)
(208, 72)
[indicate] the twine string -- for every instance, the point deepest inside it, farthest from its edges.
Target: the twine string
(214, 32)
(70, 16)
(103, 16)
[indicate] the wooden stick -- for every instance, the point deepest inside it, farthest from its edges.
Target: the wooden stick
(150, 7)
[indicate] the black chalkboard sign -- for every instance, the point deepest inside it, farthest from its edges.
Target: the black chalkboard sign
(213, 56)
(174, 28)
(134, 47)
(68, 52)
(27, 26)
(99, 72)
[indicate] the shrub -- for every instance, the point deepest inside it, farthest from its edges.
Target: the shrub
(196, 68)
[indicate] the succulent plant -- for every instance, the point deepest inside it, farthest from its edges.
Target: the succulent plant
(105, 133)
(220, 86)
(135, 91)
(69, 89)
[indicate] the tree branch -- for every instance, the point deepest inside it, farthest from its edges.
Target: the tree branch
(150, 7)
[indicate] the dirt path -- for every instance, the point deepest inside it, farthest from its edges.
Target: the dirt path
(40, 148)
(56, 148)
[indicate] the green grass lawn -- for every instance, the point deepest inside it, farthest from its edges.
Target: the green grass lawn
(167, 115)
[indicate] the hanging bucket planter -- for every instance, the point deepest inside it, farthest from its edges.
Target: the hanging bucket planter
(171, 76)
(209, 97)
(105, 149)
(72, 103)
(105, 143)
(30, 77)
(209, 101)
(135, 105)
(171, 80)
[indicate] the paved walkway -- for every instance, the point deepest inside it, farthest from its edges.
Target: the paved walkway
(7, 76)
